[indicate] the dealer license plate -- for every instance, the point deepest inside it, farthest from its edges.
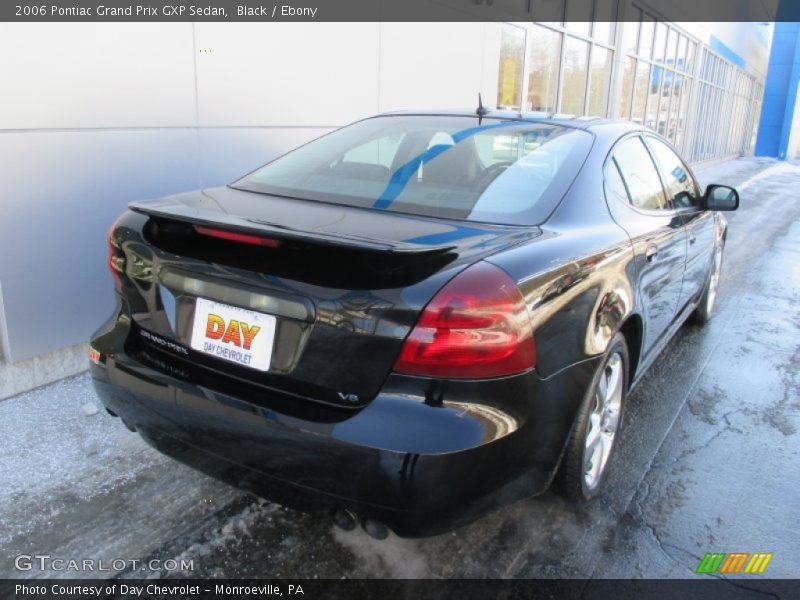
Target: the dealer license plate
(238, 335)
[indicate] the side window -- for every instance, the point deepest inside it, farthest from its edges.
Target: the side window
(640, 175)
(680, 184)
(615, 187)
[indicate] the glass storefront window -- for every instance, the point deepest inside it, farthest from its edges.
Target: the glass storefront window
(680, 60)
(653, 97)
(666, 122)
(646, 37)
(512, 64)
(545, 53)
(662, 121)
(605, 13)
(690, 46)
(703, 120)
(603, 32)
(756, 115)
(683, 113)
(576, 55)
(713, 137)
(626, 90)
(722, 73)
(641, 86)
(709, 66)
(712, 65)
(631, 33)
(578, 27)
(675, 116)
(672, 44)
(599, 76)
(666, 81)
(658, 45)
(578, 17)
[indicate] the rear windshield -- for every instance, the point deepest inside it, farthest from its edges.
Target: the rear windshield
(496, 171)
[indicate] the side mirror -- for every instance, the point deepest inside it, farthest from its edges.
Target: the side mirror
(721, 197)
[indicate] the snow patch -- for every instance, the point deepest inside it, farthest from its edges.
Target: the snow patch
(393, 557)
(237, 527)
(89, 409)
(781, 168)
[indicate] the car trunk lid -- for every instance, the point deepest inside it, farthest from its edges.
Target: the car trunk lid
(344, 285)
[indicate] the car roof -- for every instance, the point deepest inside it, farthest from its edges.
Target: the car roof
(579, 122)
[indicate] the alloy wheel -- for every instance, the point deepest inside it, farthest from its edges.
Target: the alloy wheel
(603, 421)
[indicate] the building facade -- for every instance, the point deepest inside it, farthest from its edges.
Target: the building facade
(686, 81)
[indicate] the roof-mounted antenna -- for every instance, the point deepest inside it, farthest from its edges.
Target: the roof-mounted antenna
(482, 110)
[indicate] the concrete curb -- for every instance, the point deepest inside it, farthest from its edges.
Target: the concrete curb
(26, 375)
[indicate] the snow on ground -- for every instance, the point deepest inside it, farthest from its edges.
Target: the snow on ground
(737, 173)
(78, 485)
(54, 452)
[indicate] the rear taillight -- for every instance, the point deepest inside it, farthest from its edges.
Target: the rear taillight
(94, 356)
(116, 257)
(237, 236)
(477, 326)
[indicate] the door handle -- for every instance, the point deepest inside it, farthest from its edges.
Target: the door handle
(692, 238)
(651, 253)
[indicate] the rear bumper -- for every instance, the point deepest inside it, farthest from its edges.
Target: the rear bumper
(423, 457)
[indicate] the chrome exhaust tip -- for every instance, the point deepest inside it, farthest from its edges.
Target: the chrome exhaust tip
(375, 529)
(344, 519)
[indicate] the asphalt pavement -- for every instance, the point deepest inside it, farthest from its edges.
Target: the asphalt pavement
(707, 460)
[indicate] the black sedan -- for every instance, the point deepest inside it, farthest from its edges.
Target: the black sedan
(413, 319)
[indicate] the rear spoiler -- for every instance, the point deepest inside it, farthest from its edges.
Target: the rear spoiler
(178, 211)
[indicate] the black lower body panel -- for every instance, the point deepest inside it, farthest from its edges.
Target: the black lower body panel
(422, 457)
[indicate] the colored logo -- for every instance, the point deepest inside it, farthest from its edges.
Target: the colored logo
(235, 332)
(734, 563)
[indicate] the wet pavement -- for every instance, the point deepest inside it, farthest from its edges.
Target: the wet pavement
(708, 460)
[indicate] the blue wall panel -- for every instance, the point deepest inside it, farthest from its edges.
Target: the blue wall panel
(780, 92)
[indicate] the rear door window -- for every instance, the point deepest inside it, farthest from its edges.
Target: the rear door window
(615, 187)
(681, 186)
(640, 175)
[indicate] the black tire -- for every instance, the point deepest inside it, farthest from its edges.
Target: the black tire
(708, 299)
(574, 464)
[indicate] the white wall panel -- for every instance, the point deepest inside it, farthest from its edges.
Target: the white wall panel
(61, 191)
(296, 74)
(437, 65)
(80, 75)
